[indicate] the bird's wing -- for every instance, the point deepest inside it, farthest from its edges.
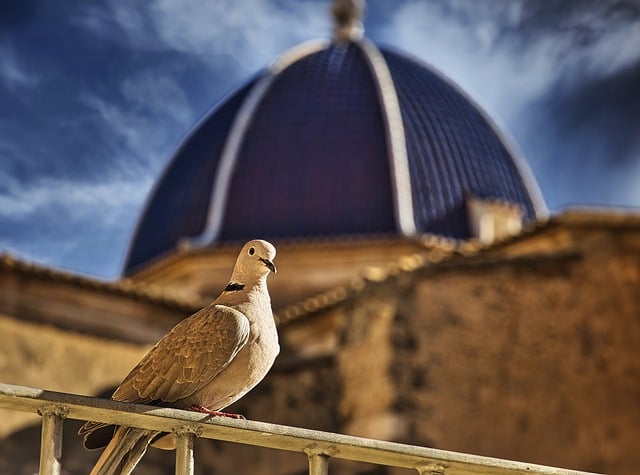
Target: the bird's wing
(187, 358)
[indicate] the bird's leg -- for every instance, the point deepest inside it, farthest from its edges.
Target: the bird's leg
(204, 410)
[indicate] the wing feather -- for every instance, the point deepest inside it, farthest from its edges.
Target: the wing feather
(187, 358)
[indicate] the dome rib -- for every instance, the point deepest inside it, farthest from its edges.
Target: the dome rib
(229, 157)
(322, 130)
(397, 147)
(190, 173)
(456, 151)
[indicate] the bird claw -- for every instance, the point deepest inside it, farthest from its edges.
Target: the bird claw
(204, 410)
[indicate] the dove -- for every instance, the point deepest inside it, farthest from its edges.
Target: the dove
(206, 362)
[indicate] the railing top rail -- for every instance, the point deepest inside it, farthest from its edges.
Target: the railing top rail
(263, 434)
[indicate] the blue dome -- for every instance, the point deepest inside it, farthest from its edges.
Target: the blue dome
(333, 140)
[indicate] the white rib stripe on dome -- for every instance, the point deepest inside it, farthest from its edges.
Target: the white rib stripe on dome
(394, 127)
(241, 122)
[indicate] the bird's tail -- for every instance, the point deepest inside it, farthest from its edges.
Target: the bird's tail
(124, 451)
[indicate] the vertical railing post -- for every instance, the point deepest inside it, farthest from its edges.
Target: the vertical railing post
(184, 452)
(318, 464)
(51, 440)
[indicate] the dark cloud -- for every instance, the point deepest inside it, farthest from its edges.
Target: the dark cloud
(580, 132)
(585, 19)
(604, 111)
(586, 138)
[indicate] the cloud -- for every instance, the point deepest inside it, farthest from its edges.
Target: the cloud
(462, 45)
(79, 225)
(157, 105)
(73, 199)
(240, 36)
(14, 74)
(509, 55)
(143, 122)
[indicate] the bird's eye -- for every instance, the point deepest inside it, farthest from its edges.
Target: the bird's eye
(252, 251)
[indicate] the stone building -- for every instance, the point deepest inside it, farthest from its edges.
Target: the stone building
(423, 293)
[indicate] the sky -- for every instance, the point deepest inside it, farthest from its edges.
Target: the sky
(95, 95)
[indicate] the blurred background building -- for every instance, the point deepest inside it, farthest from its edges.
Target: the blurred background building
(424, 294)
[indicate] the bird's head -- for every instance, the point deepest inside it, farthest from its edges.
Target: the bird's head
(255, 261)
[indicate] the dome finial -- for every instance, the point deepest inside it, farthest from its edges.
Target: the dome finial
(347, 15)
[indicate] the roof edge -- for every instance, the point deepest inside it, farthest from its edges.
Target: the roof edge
(127, 288)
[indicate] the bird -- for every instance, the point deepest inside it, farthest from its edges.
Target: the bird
(205, 363)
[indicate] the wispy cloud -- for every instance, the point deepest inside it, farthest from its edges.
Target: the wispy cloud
(507, 55)
(463, 46)
(75, 222)
(241, 36)
(14, 74)
(143, 121)
(75, 200)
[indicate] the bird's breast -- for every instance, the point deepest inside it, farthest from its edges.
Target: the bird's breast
(245, 371)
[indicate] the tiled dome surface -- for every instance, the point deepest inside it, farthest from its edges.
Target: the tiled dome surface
(313, 160)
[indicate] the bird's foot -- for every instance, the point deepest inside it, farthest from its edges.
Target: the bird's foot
(204, 410)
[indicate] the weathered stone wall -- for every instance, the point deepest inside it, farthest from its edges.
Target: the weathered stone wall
(363, 363)
(48, 358)
(534, 359)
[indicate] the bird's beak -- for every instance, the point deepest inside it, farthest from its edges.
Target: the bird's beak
(269, 264)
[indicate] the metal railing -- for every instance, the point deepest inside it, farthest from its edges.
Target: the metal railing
(320, 447)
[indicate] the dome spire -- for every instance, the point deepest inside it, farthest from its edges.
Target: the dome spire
(347, 17)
